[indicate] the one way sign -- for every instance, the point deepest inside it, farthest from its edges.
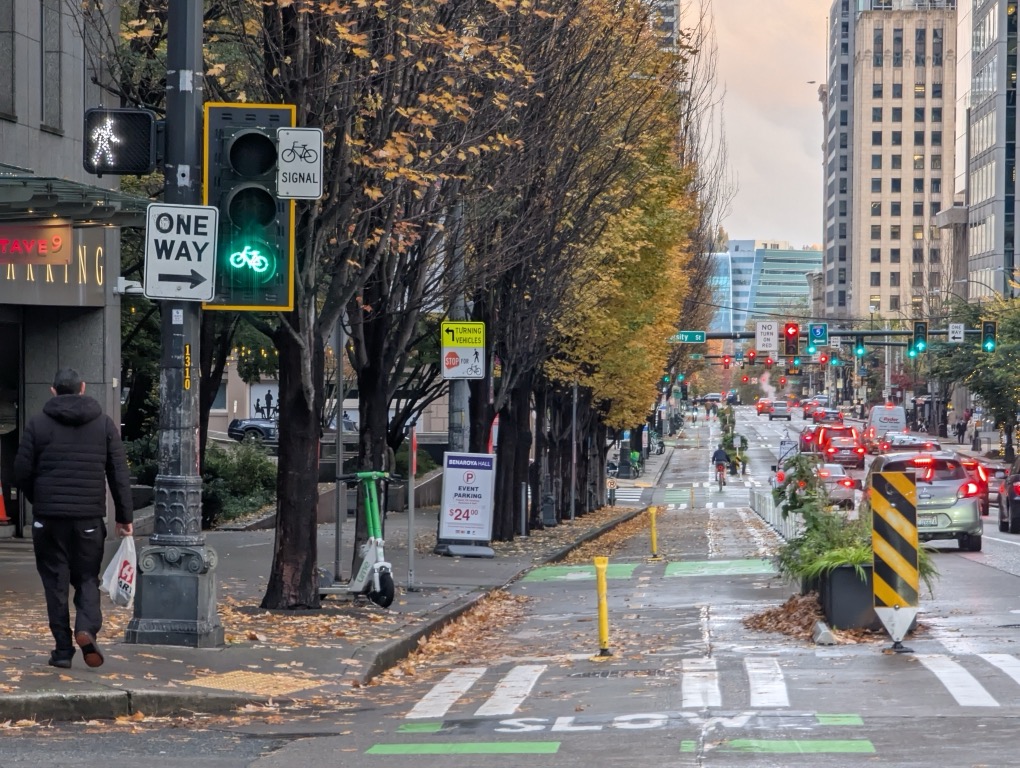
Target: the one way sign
(180, 252)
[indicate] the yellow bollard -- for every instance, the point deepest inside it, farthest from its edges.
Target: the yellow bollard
(601, 563)
(652, 511)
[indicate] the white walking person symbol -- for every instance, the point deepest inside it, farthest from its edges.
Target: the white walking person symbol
(103, 139)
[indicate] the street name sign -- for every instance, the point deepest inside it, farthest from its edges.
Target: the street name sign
(180, 252)
(696, 356)
(299, 163)
(688, 337)
(955, 333)
(818, 333)
(463, 349)
(766, 336)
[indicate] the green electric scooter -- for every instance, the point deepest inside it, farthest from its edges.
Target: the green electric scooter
(374, 579)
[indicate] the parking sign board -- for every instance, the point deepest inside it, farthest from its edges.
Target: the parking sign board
(766, 336)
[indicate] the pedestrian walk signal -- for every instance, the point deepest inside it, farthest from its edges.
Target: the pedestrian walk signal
(988, 331)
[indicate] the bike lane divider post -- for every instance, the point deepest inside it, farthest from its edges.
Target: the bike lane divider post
(601, 564)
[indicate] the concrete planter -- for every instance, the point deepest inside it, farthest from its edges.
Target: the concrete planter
(847, 601)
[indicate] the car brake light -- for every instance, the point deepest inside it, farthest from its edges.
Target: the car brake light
(847, 482)
(831, 450)
(967, 490)
(1016, 488)
(860, 450)
(982, 475)
(823, 473)
(922, 461)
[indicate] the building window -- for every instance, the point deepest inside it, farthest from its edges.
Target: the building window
(936, 186)
(876, 279)
(920, 46)
(935, 278)
(7, 58)
(50, 83)
(875, 305)
(841, 275)
(918, 138)
(876, 138)
(895, 184)
(220, 401)
(842, 186)
(918, 255)
(878, 45)
(918, 162)
(936, 138)
(897, 90)
(894, 231)
(896, 162)
(876, 208)
(841, 299)
(894, 255)
(919, 90)
(894, 208)
(843, 163)
(936, 90)
(876, 255)
(876, 184)
(894, 279)
(936, 114)
(934, 255)
(843, 117)
(897, 138)
(876, 162)
(842, 207)
(918, 114)
(876, 231)
(842, 253)
(876, 114)
(894, 303)
(919, 185)
(842, 230)
(919, 208)
(897, 47)
(917, 279)
(843, 142)
(876, 90)
(919, 231)
(897, 114)
(936, 162)
(936, 47)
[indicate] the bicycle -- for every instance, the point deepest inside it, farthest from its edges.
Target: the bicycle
(374, 579)
(720, 475)
(299, 152)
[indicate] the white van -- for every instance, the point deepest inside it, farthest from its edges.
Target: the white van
(882, 419)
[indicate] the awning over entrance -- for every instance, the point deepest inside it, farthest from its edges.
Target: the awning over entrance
(34, 197)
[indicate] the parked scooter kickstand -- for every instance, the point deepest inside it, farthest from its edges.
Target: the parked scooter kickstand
(375, 576)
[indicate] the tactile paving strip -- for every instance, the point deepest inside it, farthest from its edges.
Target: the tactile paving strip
(255, 682)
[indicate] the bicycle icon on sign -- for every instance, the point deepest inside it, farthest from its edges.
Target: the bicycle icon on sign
(250, 257)
(299, 152)
(474, 370)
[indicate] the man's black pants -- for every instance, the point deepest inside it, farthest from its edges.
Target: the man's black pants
(69, 552)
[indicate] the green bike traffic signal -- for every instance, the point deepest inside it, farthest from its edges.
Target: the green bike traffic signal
(920, 337)
(988, 332)
(255, 252)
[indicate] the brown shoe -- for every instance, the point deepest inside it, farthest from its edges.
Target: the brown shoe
(89, 649)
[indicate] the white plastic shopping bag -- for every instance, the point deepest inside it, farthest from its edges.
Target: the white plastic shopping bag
(119, 577)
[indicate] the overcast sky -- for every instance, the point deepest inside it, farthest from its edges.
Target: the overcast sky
(768, 50)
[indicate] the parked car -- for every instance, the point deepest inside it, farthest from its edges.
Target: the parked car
(808, 443)
(838, 484)
(1009, 500)
(947, 499)
(764, 405)
(826, 416)
(897, 443)
(780, 410)
(259, 430)
(846, 451)
(985, 477)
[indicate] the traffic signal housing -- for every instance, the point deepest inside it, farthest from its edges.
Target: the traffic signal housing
(745, 378)
(120, 141)
(768, 362)
(791, 339)
(859, 349)
(782, 381)
(920, 336)
(726, 361)
(255, 250)
(988, 331)
(823, 359)
(752, 357)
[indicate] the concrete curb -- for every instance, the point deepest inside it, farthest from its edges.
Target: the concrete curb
(111, 704)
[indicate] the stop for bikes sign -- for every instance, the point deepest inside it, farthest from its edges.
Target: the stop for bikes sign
(463, 345)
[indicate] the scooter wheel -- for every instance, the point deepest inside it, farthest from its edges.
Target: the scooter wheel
(384, 597)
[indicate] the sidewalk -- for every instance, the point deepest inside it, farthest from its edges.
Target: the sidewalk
(307, 658)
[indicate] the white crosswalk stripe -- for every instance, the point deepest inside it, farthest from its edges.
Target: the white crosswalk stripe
(445, 693)
(960, 683)
(512, 690)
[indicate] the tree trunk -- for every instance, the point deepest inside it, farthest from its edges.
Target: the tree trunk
(293, 582)
(506, 452)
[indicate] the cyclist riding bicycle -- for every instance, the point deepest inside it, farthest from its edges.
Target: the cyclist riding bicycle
(721, 460)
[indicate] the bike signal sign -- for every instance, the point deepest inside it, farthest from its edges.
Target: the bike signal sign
(180, 252)
(299, 163)
(463, 345)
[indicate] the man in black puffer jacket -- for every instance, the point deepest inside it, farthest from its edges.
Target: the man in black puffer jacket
(68, 454)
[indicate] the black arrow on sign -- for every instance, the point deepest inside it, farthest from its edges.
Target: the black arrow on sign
(194, 279)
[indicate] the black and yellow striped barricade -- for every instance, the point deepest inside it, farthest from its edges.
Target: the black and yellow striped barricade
(894, 543)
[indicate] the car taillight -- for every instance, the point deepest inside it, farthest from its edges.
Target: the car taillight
(982, 474)
(967, 490)
(860, 450)
(922, 461)
(847, 483)
(831, 450)
(823, 473)
(1016, 488)
(808, 438)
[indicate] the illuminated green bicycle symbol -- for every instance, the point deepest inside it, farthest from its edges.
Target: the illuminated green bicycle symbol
(251, 257)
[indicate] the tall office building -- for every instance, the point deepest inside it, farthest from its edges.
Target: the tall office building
(889, 161)
(767, 280)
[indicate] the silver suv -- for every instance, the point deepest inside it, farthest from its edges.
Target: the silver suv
(948, 501)
(780, 410)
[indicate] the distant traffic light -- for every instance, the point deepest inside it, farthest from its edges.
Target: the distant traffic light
(823, 358)
(859, 349)
(726, 361)
(745, 379)
(769, 361)
(782, 381)
(679, 378)
(791, 339)
(988, 329)
(920, 336)
(811, 348)
(752, 357)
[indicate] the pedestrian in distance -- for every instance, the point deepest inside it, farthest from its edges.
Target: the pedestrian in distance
(961, 430)
(258, 408)
(269, 404)
(68, 454)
